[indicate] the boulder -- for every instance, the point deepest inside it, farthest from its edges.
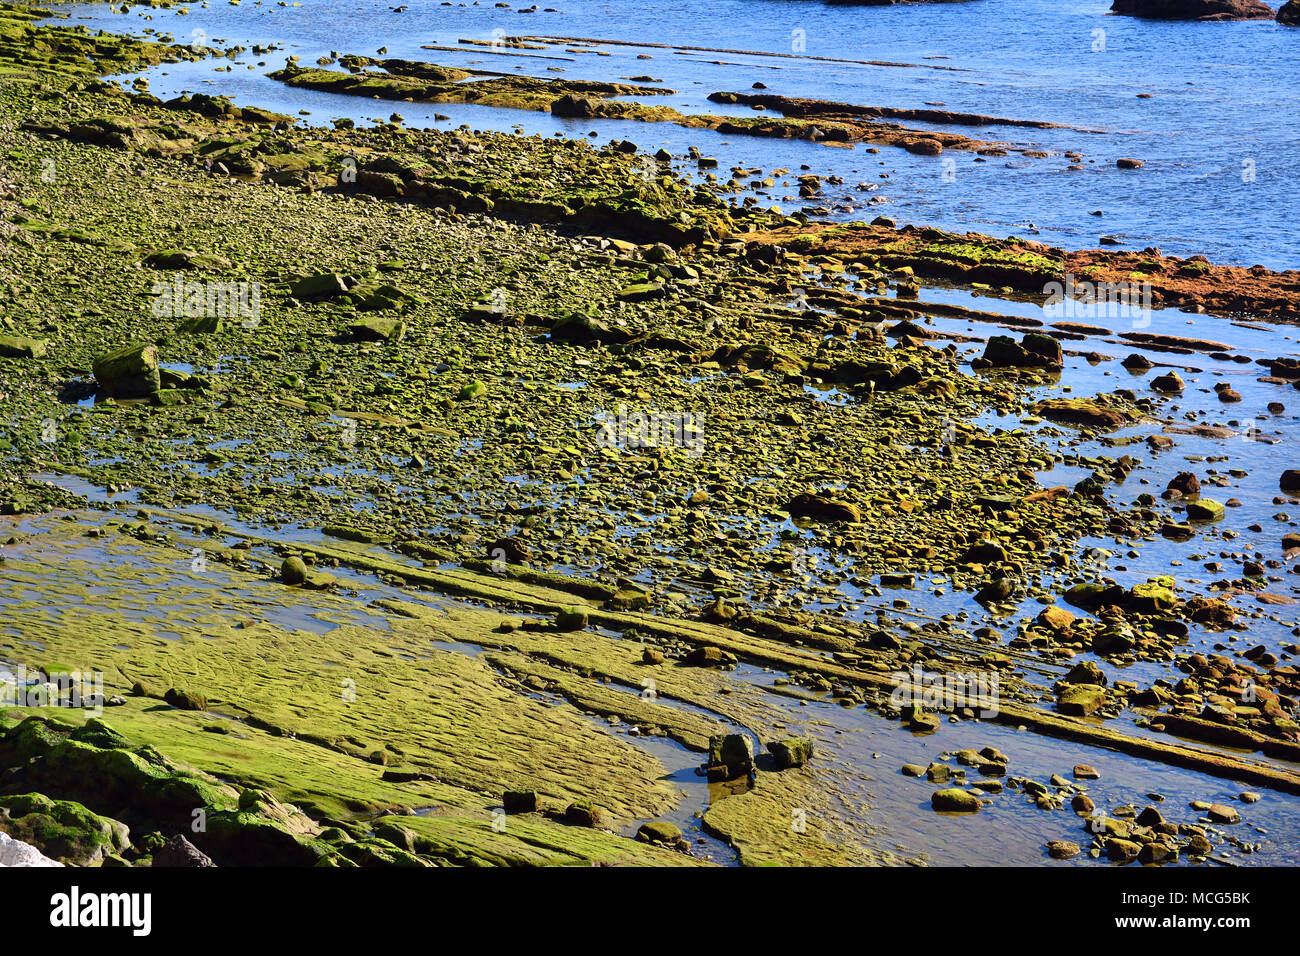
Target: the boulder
(324, 286)
(180, 852)
(955, 800)
(293, 571)
(377, 329)
(1205, 509)
(573, 105)
(1062, 850)
(708, 657)
(1088, 412)
(519, 801)
(1034, 350)
(734, 752)
(1220, 813)
(1122, 851)
(1151, 597)
(15, 853)
(578, 328)
(61, 829)
(129, 372)
(1055, 619)
(792, 752)
(1086, 672)
(571, 618)
(1170, 383)
(821, 508)
(1081, 700)
(20, 346)
(185, 699)
(1193, 9)
(659, 831)
(582, 813)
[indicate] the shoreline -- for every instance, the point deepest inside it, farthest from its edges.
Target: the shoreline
(633, 288)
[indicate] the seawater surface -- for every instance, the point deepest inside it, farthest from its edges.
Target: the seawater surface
(1211, 108)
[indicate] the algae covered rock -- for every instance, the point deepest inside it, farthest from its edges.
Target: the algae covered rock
(1033, 351)
(792, 752)
(659, 831)
(1081, 700)
(293, 571)
(955, 800)
(1206, 509)
(817, 507)
(519, 801)
(129, 372)
(571, 618)
(185, 699)
(324, 286)
(582, 813)
(377, 329)
(62, 830)
(20, 346)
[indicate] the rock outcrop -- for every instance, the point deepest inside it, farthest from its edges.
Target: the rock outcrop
(1194, 9)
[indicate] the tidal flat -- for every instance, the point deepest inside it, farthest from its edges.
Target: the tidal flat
(427, 497)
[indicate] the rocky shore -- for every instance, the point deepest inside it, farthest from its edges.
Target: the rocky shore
(550, 401)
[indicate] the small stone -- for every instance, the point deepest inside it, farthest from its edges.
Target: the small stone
(1062, 850)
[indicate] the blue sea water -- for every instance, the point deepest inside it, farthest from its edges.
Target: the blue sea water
(1211, 108)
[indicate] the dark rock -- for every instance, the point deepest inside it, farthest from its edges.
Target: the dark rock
(180, 852)
(1194, 9)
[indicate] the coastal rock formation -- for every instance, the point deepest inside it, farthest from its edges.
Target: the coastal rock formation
(16, 853)
(1289, 13)
(1194, 9)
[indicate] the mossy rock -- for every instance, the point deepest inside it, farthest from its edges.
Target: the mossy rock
(792, 752)
(659, 831)
(20, 346)
(955, 800)
(1081, 700)
(185, 699)
(62, 829)
(582, 813)
(571, 618)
